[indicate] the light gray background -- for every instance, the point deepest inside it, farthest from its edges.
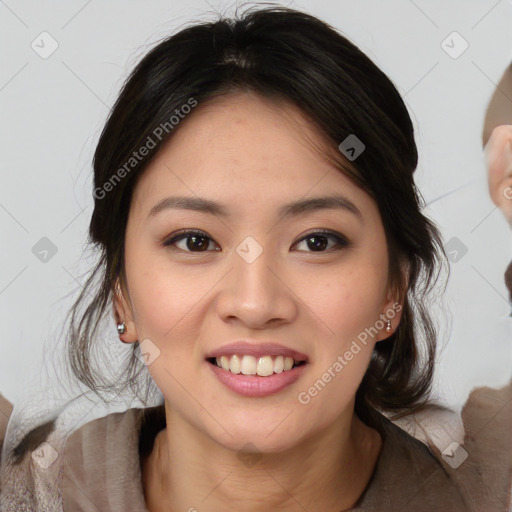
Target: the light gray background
(53, 110)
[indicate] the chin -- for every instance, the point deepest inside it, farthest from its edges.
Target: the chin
(259, 443)
(262, 437)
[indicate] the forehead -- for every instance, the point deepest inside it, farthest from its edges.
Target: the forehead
(243, 125)
(243, 147)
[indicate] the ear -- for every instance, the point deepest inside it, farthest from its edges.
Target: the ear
(498, 155)
(123, 312)
(392, 307)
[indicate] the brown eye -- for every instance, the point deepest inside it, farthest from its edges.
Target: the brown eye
(319, 240)
(195, 241)
(198, 241)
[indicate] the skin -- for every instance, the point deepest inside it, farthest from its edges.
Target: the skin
(253, 156)
(498, 152)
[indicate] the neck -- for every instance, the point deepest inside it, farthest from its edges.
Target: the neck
(187, 470)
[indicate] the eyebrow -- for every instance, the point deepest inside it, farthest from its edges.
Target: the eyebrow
(296, 208)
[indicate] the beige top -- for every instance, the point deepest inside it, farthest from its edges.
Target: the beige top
(100, 470)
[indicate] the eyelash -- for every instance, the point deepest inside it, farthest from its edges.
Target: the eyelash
(341, 241)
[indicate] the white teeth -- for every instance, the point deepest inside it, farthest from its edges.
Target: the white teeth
(224, 362)
(234, 364)
(265, 366)
(249, 365)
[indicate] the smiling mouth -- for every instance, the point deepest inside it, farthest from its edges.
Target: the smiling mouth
(258, 366)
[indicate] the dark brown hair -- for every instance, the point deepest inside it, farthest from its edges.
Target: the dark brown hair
(281, 54)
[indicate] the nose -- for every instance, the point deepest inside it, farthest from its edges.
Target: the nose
(256, 294)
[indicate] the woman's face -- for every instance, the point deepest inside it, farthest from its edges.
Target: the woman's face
(254, 274)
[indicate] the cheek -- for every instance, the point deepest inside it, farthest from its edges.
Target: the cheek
(165, 305)
(163, 296)
(348, 307)
(350, 300)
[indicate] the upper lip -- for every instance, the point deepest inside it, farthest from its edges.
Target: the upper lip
(256, 349)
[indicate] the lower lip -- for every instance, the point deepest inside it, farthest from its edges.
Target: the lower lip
(254, 385)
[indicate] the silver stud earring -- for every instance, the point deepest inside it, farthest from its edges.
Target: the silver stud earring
(121, 328)
(388, 326)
